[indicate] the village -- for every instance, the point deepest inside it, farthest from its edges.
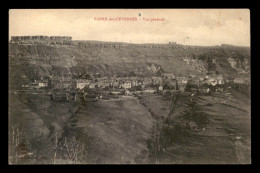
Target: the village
(97, 87)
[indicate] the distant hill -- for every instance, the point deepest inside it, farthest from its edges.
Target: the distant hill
(35, 60)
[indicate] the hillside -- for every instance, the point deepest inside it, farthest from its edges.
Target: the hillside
(125, 130)
(35, 60)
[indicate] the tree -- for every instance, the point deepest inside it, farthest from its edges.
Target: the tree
(75, 149)
(16, 141)
(56, 148)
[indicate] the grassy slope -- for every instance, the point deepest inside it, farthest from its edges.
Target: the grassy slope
(226, 123)
(118, 130)
(214, 140)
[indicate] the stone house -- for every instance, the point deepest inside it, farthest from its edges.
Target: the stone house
(103, 84)
(239, 81)
(126, 84)
(42, 83)
(92, 85)
(80, 84)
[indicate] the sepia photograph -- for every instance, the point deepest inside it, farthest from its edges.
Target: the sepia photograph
(129, 86)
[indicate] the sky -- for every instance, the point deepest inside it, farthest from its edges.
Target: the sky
(203, 27)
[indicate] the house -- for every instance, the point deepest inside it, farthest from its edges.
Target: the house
(114, 81)
(61, 84)
(103, 84)
(160, 88)
(115, 92)
(42, 83)
(25, 86)
(229, 80)
(127, 92)
(239, 81)
(213, 82)
(126, 84)
(220, 80)
(149, 91)
(80, 84)
(92, 85)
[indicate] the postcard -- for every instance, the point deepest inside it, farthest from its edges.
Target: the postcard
(129, 86)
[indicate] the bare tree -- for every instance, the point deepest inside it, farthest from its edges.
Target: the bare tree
(56, 147)
(16, 141)
(74, 149)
